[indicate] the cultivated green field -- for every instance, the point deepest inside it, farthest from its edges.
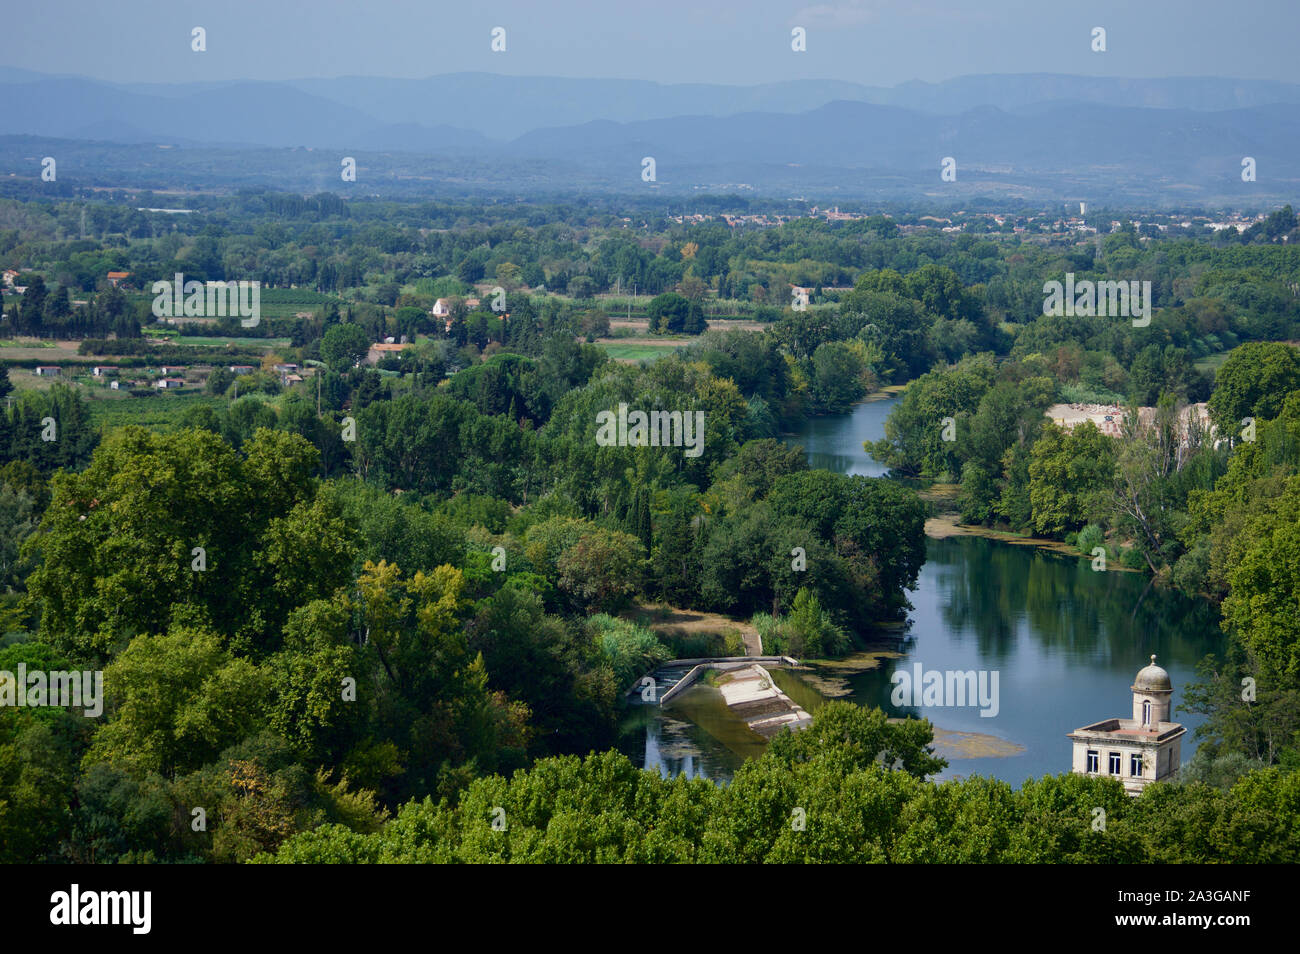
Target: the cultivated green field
(635, 352)
(214, 342)
(161, 412)
(1212, 363)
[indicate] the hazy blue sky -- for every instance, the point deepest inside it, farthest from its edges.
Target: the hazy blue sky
(879, 42)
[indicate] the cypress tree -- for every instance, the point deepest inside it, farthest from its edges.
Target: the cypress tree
(643, 528)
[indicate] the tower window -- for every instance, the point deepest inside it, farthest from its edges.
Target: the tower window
(1114, 763)
(1094, 761)
(1146, 712)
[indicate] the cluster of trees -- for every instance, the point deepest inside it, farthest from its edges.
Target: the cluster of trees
(44, 430)
(45, 313)
(716, 529)
(264, 658)
(676, 314)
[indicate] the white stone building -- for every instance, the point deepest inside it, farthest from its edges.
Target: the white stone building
(1138, 751)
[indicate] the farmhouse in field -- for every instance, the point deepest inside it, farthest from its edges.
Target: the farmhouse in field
(48, 371)
(288, 374)
(378, 352)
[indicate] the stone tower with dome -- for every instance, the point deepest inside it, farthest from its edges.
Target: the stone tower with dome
(1138, 751)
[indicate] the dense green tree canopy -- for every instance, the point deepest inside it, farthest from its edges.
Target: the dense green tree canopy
(182, 527)
(1254, 382)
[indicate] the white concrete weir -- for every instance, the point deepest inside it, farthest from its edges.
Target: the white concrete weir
(696, 667)
(752, 694)
(747, 689)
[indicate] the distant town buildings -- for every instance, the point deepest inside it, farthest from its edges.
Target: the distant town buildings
(1026, 224)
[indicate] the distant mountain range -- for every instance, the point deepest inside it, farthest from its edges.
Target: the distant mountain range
(1067, 134)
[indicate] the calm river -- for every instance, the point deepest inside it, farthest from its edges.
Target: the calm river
(1065, 642)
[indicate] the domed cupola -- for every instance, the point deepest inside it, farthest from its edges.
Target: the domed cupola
(1152, 690)
(1152, 677)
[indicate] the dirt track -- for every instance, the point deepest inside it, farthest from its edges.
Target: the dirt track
(690, 621)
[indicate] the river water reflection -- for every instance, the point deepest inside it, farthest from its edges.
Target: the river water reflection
(1065, 642)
